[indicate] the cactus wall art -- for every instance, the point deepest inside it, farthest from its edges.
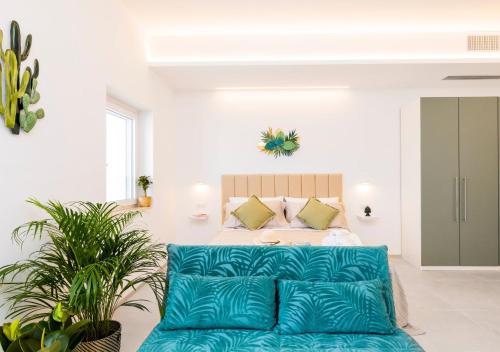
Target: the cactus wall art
(16, 105)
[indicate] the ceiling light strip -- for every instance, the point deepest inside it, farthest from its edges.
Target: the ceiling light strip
(284, 88)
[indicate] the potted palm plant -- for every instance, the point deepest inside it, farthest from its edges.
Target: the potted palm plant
(93, 257)
(144, 182)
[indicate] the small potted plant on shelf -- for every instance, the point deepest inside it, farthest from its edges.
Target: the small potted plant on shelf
(144, 182)
(91, 260)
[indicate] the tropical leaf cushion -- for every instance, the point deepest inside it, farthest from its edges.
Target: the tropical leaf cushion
(204, 302)
(327, 307)
(302, 263)
(269, 341)
(253, 213)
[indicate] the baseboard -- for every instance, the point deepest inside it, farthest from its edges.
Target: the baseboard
(460, 268)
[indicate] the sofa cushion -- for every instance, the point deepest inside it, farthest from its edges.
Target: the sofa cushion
(332, 307)
(269, 341)
(206, 302)
(302, 263)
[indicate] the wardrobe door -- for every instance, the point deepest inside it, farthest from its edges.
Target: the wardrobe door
(478, 125)
(439, 159)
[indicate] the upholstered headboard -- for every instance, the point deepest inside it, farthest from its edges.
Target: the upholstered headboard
(290, 185)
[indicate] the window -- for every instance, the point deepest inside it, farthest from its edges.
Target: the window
(120, 155)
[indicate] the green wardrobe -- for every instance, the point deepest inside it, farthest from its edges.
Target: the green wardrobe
(459, 194)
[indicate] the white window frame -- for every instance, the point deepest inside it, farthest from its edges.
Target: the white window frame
(121, 110)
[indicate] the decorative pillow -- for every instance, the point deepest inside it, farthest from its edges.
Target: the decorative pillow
(253, 214)
(208, 302)
(293, 206)
(317, 215)
(276, 204)
(332, 307)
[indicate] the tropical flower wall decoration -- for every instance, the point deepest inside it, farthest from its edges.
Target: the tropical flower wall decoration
(279, 143)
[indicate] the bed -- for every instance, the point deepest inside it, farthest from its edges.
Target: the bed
(301, 186)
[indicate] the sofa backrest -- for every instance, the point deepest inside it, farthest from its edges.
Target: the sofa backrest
(305, 263)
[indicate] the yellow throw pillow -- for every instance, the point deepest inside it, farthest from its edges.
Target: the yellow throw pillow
(317, 215)
(253, 214)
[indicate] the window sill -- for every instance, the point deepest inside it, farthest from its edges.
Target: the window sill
(123, 207)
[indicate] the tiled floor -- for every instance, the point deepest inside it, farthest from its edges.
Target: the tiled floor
(459, 310)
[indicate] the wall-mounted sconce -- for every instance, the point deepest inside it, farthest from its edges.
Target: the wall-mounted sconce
(200, 194)
(365, 191)
(364, 187)
(201, 188)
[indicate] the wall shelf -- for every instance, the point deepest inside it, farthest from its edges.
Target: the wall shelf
(199, 217)
(365, 218)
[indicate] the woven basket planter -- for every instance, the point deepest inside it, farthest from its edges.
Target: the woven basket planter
(108, 344)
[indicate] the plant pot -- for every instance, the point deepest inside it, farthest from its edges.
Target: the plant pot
(110, 343)
(144, 202)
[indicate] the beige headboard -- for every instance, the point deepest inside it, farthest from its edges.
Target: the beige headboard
(290, 185)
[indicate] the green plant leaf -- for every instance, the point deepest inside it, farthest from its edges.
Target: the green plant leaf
(4, 342)
(76, 333)
(289, 145)
(24, 345)
(56, 341)
(14, 347)
(12, 330)
(60, 314)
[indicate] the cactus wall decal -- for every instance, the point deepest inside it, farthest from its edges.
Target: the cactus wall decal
(20, 90)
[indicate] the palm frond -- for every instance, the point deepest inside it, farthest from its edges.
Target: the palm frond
(93, 256)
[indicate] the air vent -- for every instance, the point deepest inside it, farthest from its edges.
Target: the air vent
(483, 43)
(469, 78)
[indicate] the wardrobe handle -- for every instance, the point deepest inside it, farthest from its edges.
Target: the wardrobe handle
(457, 203)
(465, 199)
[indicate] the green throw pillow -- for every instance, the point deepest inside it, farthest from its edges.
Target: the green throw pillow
(317, 215)
(209, 302)
(253, 214)
(332, 307)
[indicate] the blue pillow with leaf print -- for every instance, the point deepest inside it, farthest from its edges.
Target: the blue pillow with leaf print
(208, 302)
(332, 307)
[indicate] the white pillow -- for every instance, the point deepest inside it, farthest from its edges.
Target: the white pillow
(322, 200)
(293, 206)
(275, 204)
(242, 200)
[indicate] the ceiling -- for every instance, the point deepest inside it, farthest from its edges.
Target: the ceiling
(358, 76)
(162, 16)
(344, 33)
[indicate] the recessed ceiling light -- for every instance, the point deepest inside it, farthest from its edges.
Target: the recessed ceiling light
(283, 88)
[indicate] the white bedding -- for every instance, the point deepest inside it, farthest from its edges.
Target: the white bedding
(287, 236)
(301, 236)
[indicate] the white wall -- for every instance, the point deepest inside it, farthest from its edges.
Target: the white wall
(356, 133)
(85, 48)
(353, 133)
(411, 240)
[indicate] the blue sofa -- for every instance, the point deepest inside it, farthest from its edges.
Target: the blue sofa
(325, 264)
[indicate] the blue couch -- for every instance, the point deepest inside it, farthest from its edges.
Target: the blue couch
(327, 264)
